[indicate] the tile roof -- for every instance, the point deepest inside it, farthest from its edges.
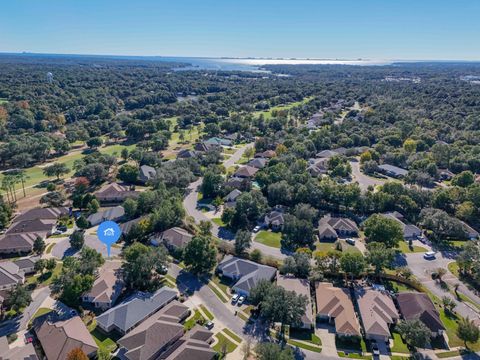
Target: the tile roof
(59, 337)
(135, 309)
(377, 311)
(415, 305)
(300, 287)
(336, 303)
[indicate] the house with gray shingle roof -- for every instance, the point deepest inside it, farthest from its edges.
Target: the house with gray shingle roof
(138, 307)
(17, 243)
(10, 275)
(393, 171)
(195, 345)
(330, 228)
(114, 214)
(410, 231)
(245, 273)
(24, 352)
(146, 173)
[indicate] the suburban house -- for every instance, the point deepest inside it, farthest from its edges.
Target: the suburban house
(115, 193)
(107, 287)
(258, 163)
(326, 154)
(238, 183)
(245, 273)
(114, 214)
(127, 226)
(275, 219)
(205, 146)
(40, 227)
(245, 172)
(300, 287)
(315, 121)
(146, 173)
(317, 167)
(330, 228)
(10, 275)
(24, 352)
(17, 243)
(393, 171)
(415, 305)
(26, 265)
(445, 174)
(155, 335)
(173, 238)
(218, 141)
(43, 213)
(266, 154)
(131, 312)
(410, 231)
(232, 196)
(378, 313)
(186, 154)
(59, 337)
(335, 305)
(195, 345)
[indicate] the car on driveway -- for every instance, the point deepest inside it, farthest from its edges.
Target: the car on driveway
(257, 228)
(429, 255)
(241, 300)
(375, 350)
(235, 298)
(209, 325)
(350, 241)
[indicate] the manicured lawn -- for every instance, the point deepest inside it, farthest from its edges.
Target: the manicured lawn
(449, 354)
(218, 221)
(354, 356)
(404, 248)
(103, 341)
(41, 311)
(347, 248)
(302, 345)
(398, 287)
(324, 247)
(47, 277)
(232, 335)
(49, 248)
(196, 318)
(450, 323)
(219, 294)
(269, 238)
(454, 269)
(206, 312)
(224, 343)
(222, 282)
(358, 345)
(305, 335)
(398, 345)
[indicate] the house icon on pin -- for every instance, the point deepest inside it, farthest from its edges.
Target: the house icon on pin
(109, 232)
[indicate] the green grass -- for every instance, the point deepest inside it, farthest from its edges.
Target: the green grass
(347, 248)
(220, 295)
(207, 312)
(404, 248)
(196, 318)
(302, 345)
(451, 323)
(3, 101)
(41, 311)
(269, 238)
(49, 248)
(398, 287)
(354, 356)
(350, 344)
(232, 335)
(223, 283)
(449, 354)
(223, 342)
(219, 222)
(322, 248)
(398, 357)
(453, 268)
(267, 114)
(103, 341)
(399, 345)
(305, 335)
(47, 277)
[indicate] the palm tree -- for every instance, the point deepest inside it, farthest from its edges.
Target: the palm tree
(22, 176)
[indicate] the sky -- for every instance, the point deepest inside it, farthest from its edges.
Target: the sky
(323, 29)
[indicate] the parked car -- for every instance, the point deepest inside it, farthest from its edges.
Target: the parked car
(209, 325)
(375, 350)
(235, 298)
(241, 300)
(257, 228)
(429, 255)
(350, 241)
(62, 228)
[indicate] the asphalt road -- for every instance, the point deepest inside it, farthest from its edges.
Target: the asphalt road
(363, 180)
(63, 249)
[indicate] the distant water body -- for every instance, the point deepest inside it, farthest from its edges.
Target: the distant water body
(236, 64)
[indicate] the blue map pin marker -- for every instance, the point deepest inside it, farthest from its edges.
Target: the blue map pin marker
(109, 232)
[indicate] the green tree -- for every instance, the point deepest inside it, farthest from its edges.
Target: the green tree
(211, 184)
(40, 265)
(39, 245)
(273, 351)
(205, 228)
(53, 199)
(468, 331)
(381, 229)
(77, 239)
(124, 154)
(143, 266)
(298, 265)
(414, 332)
(256, 255)
(50, 264)
(82, 222)
(56, 169)
(352, 263)
(94, 142)
(464, 179)
(128, 173)
(93, 206)
(379, 256)
(243, 241)
(18, 297)
(200, 255)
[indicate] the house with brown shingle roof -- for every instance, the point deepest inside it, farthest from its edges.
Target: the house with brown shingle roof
(40, 227)
(330, 228)
(378, 313)
(300, 287)
(52, 213)
(107, 287)
(156, 334)
(245, 172)
(195, 345)
(174, 238)
(59, 337)
(17, 243)
(115, 193)
(335, 305)
(416, 305)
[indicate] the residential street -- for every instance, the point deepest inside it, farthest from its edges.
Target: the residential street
(363, 180)
(62, 247)
(190, 205)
